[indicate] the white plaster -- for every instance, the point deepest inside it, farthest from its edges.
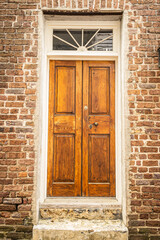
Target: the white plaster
(38, 122)
(125, 138)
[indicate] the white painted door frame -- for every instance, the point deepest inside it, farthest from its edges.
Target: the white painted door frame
(48, 55)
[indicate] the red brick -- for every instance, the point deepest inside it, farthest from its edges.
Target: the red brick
(154, 156)
(153, 223)
(12, 200)
(150, 189)
(150, 163)
(7, 207)
(148, 149)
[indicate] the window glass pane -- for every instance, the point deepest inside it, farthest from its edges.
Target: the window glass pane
(77, 34)
(106, 45)
(88, 34)
(62, 45)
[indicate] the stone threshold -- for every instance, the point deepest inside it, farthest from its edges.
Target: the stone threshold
(80, 202)
(80, 230)
(97, 225)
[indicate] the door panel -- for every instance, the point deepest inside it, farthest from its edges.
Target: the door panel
(64, 132)
(103, 124)
(64, 124)
(71, 173)
(63, 158)
(98, 129)
(65, 89)
(98, 161)
(99, 90)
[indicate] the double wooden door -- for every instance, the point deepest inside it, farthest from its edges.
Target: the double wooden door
(81, 133)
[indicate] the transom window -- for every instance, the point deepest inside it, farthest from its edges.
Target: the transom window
(83, 39)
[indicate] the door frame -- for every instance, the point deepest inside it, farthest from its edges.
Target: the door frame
(44, 92)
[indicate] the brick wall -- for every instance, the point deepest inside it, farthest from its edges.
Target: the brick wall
(144, 108)
(18, 79)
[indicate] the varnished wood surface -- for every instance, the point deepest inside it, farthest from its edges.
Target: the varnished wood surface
(98, 129)
(98, 161)
(64, 124)
(99, 90)
(65, 89)
(50, 129)
(71, 132)
(64, 131)
(103, 124)
(64, 150)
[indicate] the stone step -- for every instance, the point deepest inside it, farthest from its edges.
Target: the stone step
(80, 229)
(90, 213)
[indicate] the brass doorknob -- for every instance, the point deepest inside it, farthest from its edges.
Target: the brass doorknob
(96, 124)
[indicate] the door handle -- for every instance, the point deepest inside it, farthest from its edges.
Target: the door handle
(95, 124)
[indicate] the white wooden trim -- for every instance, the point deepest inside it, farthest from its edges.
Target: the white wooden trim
(50, 25)
(81, 54)
(48, 54)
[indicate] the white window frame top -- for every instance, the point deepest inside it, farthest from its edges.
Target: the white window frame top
(49, 54)
(86, 25)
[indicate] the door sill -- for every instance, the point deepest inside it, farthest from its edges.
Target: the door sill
(80, 202)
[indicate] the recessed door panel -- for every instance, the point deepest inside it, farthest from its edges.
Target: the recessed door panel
(64, 166)
(99, 90)
(98, 161)
(65, 89)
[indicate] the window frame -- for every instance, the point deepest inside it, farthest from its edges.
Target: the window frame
(50, 26)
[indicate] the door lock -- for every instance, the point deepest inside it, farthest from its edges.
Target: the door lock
(91, 125)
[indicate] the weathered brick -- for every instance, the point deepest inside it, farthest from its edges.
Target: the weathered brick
(7, 207)
(6, 228)
(148, 149)
(16, 235)
(12, 200)
(24, 229)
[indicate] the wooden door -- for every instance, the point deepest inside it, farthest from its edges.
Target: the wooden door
(81, 120)
(64, 132)
(98, 129)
